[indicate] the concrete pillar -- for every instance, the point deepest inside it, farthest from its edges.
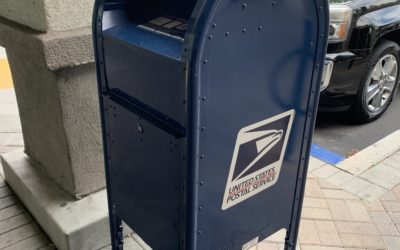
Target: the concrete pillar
(55, 83)
(60, 175)
(48, 15)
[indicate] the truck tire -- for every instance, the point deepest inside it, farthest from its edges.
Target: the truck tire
(379, 84)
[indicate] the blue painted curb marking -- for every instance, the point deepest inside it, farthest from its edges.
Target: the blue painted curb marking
(325, 155)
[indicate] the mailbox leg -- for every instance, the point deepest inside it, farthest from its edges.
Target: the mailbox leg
(293, 231)
(291, 238)
(116, 231)
(289, 245)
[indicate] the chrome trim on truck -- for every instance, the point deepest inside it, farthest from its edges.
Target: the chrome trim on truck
(327, 73)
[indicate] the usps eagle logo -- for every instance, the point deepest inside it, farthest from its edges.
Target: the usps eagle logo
(257, 158)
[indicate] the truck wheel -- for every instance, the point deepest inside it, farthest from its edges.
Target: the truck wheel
(379, 84)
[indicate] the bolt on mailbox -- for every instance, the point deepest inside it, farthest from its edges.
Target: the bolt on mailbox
(208, 109)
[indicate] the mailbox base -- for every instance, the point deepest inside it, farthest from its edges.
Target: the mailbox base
(70, 224)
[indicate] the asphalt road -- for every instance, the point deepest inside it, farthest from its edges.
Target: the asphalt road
(335, 133)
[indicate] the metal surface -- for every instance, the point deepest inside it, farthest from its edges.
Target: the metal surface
(373, 21)
(175, 111)
(139, 149)
(381, 82)
(327, 73)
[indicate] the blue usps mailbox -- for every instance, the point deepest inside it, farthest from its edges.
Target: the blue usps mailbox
(208, 109)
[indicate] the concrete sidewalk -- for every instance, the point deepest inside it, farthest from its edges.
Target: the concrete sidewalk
(18, 230)
(334, 218)
(355, 205)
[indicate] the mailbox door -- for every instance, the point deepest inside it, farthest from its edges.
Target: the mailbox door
(255, 88)
(144, 165)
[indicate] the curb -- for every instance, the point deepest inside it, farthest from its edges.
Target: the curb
(372, 155)
(369, 174)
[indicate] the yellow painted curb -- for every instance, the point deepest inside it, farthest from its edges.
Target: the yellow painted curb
(5, 75)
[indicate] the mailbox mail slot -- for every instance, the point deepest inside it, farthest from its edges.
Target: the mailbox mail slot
(208, 109)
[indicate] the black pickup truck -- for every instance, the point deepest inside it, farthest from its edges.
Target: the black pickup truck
(363, 60)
